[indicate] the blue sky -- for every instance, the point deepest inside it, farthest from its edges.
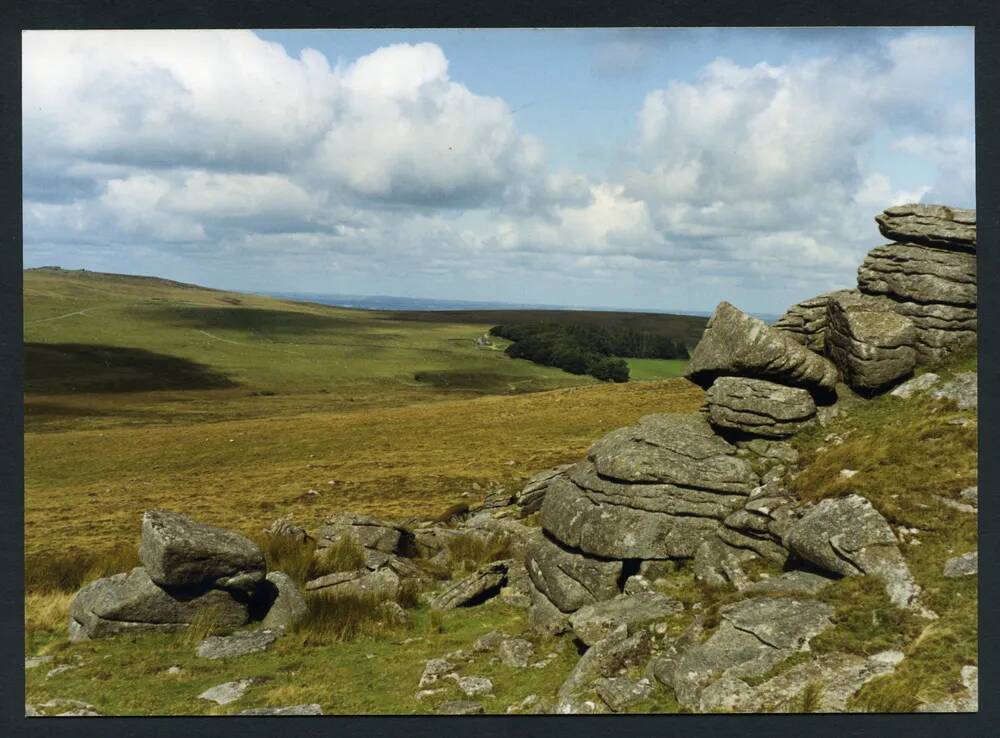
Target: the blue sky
(643, 168)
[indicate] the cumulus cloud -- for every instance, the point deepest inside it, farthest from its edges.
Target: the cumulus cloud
(221, 148)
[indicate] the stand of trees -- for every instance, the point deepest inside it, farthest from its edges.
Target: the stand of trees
(582, 349)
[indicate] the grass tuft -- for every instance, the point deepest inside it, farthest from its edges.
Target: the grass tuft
(470, 551)
(332, 618)
(67, 571)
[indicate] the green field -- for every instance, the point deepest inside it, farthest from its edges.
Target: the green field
(644, 369)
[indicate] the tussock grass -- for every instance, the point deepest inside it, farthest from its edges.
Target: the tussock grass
(284, 553)
(331, 618)
(345, 554)
(303, 561)
(67, 571)
(46, 612)
(205, 624)
(470, 551)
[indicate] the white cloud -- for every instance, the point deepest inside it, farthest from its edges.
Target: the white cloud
(758, 179)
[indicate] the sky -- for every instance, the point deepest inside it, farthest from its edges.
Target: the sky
(632, 168)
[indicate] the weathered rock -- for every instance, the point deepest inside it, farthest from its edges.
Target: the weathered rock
(311, 709)
(963, 390)
(283, 527)
(517, 591)
(287, 602)
(223, 694)
(516, 652)
(607, 657)
(718, 564)
(473, 686)
(489, 641)
(179, 552)
(940, 329)
(848, 536)
(772, 450)
(237, 644)
(806, 321)
(962, 566)
(654, 490)
(932, 225)
(759, 407)
(762, 545)
(672, 448)
(132, 602)
(791, 582)
(434, 670)
(836, 677)
(460, 707)
(569, 580)
(367, 531)
(618, 522)
(912, 273)
(754, 635)
(531, 496)
(380, 583)
(736, 344)
(33, 662)
(870, 344)
(619, 693)
(915, 386)
(593, 623)
(543, 616)
(482, 584)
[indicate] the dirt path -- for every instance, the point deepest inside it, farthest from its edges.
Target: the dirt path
(60, 317)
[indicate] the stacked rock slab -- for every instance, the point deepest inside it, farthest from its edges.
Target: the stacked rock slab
(652, 491)
(806, 321)
(870, 344)
(737, 344)
(759, 407)
(188, 568)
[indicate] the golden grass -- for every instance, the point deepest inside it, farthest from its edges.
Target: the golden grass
(46, 611)
(88, 489)
(470, 551)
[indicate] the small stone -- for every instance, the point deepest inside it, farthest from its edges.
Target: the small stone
(311, 709)
(174, 670)
(460, 707)
(848, 473)
(238, 644)
(473, 686)
(516, 652)
(434, 670)
(918, 384)
(223, 694)
(488, 642)
(962, 566)
(60, 669)
(31, 662)
(425, 693)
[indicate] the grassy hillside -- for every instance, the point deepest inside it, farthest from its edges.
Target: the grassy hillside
(142, 392)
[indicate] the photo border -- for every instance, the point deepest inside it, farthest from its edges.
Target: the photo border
(263, 14)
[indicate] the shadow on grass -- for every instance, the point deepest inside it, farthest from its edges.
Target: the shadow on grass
(66, 368)
(255, 320)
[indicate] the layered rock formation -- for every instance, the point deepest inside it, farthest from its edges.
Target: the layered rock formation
(927, 275)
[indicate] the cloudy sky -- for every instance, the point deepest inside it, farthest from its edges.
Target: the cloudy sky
(655, 169)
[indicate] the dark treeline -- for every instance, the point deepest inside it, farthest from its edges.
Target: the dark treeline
(584, 349)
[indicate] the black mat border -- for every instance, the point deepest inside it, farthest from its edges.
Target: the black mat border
(491, 13)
